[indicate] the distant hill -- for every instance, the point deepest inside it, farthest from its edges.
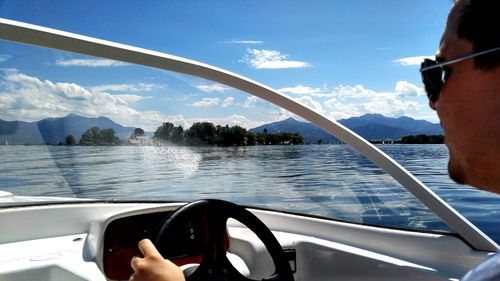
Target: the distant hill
(369, 126)
(55, 130)
(19, 132)
(310, 132)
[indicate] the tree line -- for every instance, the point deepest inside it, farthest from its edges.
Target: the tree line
(200, 133)
(94, 136)
(414, 139)
(206, 133)
(423, 139)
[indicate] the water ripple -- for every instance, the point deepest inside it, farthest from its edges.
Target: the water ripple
(324, 180)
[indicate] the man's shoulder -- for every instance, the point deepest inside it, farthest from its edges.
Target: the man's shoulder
(488, 270)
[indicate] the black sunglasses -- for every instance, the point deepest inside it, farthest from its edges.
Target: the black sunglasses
(435, 72)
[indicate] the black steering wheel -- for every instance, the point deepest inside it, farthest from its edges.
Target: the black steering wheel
(214, 263)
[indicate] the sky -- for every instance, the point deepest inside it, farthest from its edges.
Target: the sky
(341, 58)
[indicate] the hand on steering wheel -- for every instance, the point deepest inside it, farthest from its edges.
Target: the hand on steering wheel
(153, 266)
(214, 264)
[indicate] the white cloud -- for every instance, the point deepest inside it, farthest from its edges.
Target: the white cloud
(300, 90)
(412, 60)
(28, 98)
(140, 87)
(206, 102)
(213, 88)
(4, 57)
(131, 99)
(227, 102)
(351, 101)
(356, 92)
(346, 101)
(311, 103)
(406, 89)
(340, 110)
(23, 97)
(231, 120)
(244, 42)
(90, 62)
(250, 102)
(270, 59)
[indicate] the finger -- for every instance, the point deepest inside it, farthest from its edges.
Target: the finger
(134, 262)
(148, 248)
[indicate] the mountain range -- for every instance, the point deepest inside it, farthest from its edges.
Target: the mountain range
(55, 130)
(369, 126)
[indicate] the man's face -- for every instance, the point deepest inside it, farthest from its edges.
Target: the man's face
(469, 110)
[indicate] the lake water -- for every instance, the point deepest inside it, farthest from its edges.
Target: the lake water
(325, 180)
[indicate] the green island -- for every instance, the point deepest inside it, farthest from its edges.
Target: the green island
(200, 133)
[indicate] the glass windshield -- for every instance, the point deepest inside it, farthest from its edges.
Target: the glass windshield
(74, 126)
(198, 140)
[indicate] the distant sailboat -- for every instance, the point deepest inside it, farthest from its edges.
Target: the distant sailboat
(6, 143)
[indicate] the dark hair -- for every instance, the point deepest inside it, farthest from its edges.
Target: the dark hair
(479, 23)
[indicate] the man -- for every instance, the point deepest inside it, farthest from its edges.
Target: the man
(463, 85)
(467, 100)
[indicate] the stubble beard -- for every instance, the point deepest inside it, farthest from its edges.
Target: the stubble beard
(456, 171)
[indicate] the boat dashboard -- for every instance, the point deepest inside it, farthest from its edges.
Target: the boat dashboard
(96, 241)
(121, 237)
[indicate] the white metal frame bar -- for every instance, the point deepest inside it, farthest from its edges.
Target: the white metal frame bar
(46, 37)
